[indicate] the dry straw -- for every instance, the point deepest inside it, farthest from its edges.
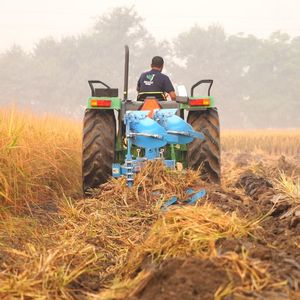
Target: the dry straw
(187, 231)
(100, 243)
(39, 158)
(270, 141)
(94, 243)
(82, 247)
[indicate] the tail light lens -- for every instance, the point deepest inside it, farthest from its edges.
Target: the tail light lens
(199, 102)
(100, 103)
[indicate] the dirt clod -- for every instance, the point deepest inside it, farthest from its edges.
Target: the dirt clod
(190, 279)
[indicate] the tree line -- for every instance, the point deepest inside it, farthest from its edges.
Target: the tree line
(256, 81)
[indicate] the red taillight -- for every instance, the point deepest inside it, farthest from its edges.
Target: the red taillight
(100, 103)
(199, 102)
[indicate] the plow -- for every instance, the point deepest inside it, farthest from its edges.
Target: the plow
(121, 135)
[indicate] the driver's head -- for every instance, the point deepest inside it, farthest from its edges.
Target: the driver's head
(157, 63)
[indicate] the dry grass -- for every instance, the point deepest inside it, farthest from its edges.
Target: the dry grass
(247, 276)
(95, 244)
(82, 247)
(194, 231)
(252, 275)
(189, 231)
(289, 186)
(39, 158)
(273, 142)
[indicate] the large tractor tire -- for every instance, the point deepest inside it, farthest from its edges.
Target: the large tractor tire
(99, 131)
(205, 154)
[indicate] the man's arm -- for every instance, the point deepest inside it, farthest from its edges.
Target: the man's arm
(169, 88)
(138, 86)
(172, 95)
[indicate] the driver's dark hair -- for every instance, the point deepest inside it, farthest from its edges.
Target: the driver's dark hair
(157, 62)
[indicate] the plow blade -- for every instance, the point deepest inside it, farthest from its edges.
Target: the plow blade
(176, 126)
(165, 128)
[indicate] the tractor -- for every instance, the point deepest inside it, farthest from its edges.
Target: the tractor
(120, 135)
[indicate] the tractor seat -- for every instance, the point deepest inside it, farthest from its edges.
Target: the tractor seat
(157, 95)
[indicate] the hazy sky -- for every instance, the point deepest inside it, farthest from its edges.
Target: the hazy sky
(24, 22)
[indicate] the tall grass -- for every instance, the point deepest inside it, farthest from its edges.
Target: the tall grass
(273, 142)
(39, 157)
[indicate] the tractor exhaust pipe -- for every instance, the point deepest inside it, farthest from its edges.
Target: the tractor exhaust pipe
(126, 70)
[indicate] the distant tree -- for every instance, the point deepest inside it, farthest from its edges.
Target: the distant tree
(257, 81)
(57, 71)
(104, 47)
(207, 54)
(14, 76)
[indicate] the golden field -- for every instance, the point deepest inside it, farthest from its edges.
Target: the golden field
(39, 158)
(53, 245)
(270, 141)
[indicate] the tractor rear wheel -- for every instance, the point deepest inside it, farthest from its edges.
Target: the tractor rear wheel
(205, 153)
(98, 147)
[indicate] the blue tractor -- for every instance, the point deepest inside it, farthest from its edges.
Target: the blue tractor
(121, 135)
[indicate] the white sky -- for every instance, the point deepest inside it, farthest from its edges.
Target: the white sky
(24, 22)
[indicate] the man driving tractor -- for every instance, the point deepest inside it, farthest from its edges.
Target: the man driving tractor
(154, 82)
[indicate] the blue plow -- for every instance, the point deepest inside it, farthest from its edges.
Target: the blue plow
(152, 134)
(194, 197)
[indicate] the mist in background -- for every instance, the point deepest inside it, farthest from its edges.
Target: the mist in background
(256, 79)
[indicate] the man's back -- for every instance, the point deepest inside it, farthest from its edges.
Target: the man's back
(154, 81)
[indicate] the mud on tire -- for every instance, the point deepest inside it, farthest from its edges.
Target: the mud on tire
(99, 131)
(205, 153)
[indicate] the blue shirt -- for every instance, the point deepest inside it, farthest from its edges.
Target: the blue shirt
(154, 81)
